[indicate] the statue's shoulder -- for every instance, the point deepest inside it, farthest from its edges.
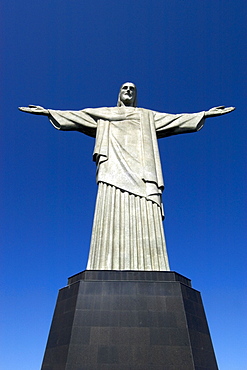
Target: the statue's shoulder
(146, 110)
(99, 110)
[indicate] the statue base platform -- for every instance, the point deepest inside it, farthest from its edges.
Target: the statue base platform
(120, 320)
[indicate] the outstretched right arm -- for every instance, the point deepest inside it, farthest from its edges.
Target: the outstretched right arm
(66, 120)
(35, 109)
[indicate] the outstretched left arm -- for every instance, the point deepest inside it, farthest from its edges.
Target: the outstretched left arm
(218, 111)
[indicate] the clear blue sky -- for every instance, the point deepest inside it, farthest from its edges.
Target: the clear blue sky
(184, 56)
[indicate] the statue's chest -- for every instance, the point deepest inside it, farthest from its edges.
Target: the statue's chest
(126, 134)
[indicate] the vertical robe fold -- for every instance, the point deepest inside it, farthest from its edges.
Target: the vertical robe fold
(127, 231)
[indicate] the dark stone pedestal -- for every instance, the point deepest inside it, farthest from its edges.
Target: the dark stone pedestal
(129, 320)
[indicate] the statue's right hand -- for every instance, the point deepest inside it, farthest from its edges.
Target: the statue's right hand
(34, 109)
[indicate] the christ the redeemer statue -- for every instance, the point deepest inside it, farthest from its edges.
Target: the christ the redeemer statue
(127, 230)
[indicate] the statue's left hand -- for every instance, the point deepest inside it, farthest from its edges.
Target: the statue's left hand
(34, 109)
(218, 111)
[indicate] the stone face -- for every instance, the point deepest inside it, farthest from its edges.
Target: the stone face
(129, 320)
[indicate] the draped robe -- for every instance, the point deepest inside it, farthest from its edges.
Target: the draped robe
(127, 231)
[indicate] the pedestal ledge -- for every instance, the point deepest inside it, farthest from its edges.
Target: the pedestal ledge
(110, 275)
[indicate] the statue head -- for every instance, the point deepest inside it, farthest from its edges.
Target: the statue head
(127, 95)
